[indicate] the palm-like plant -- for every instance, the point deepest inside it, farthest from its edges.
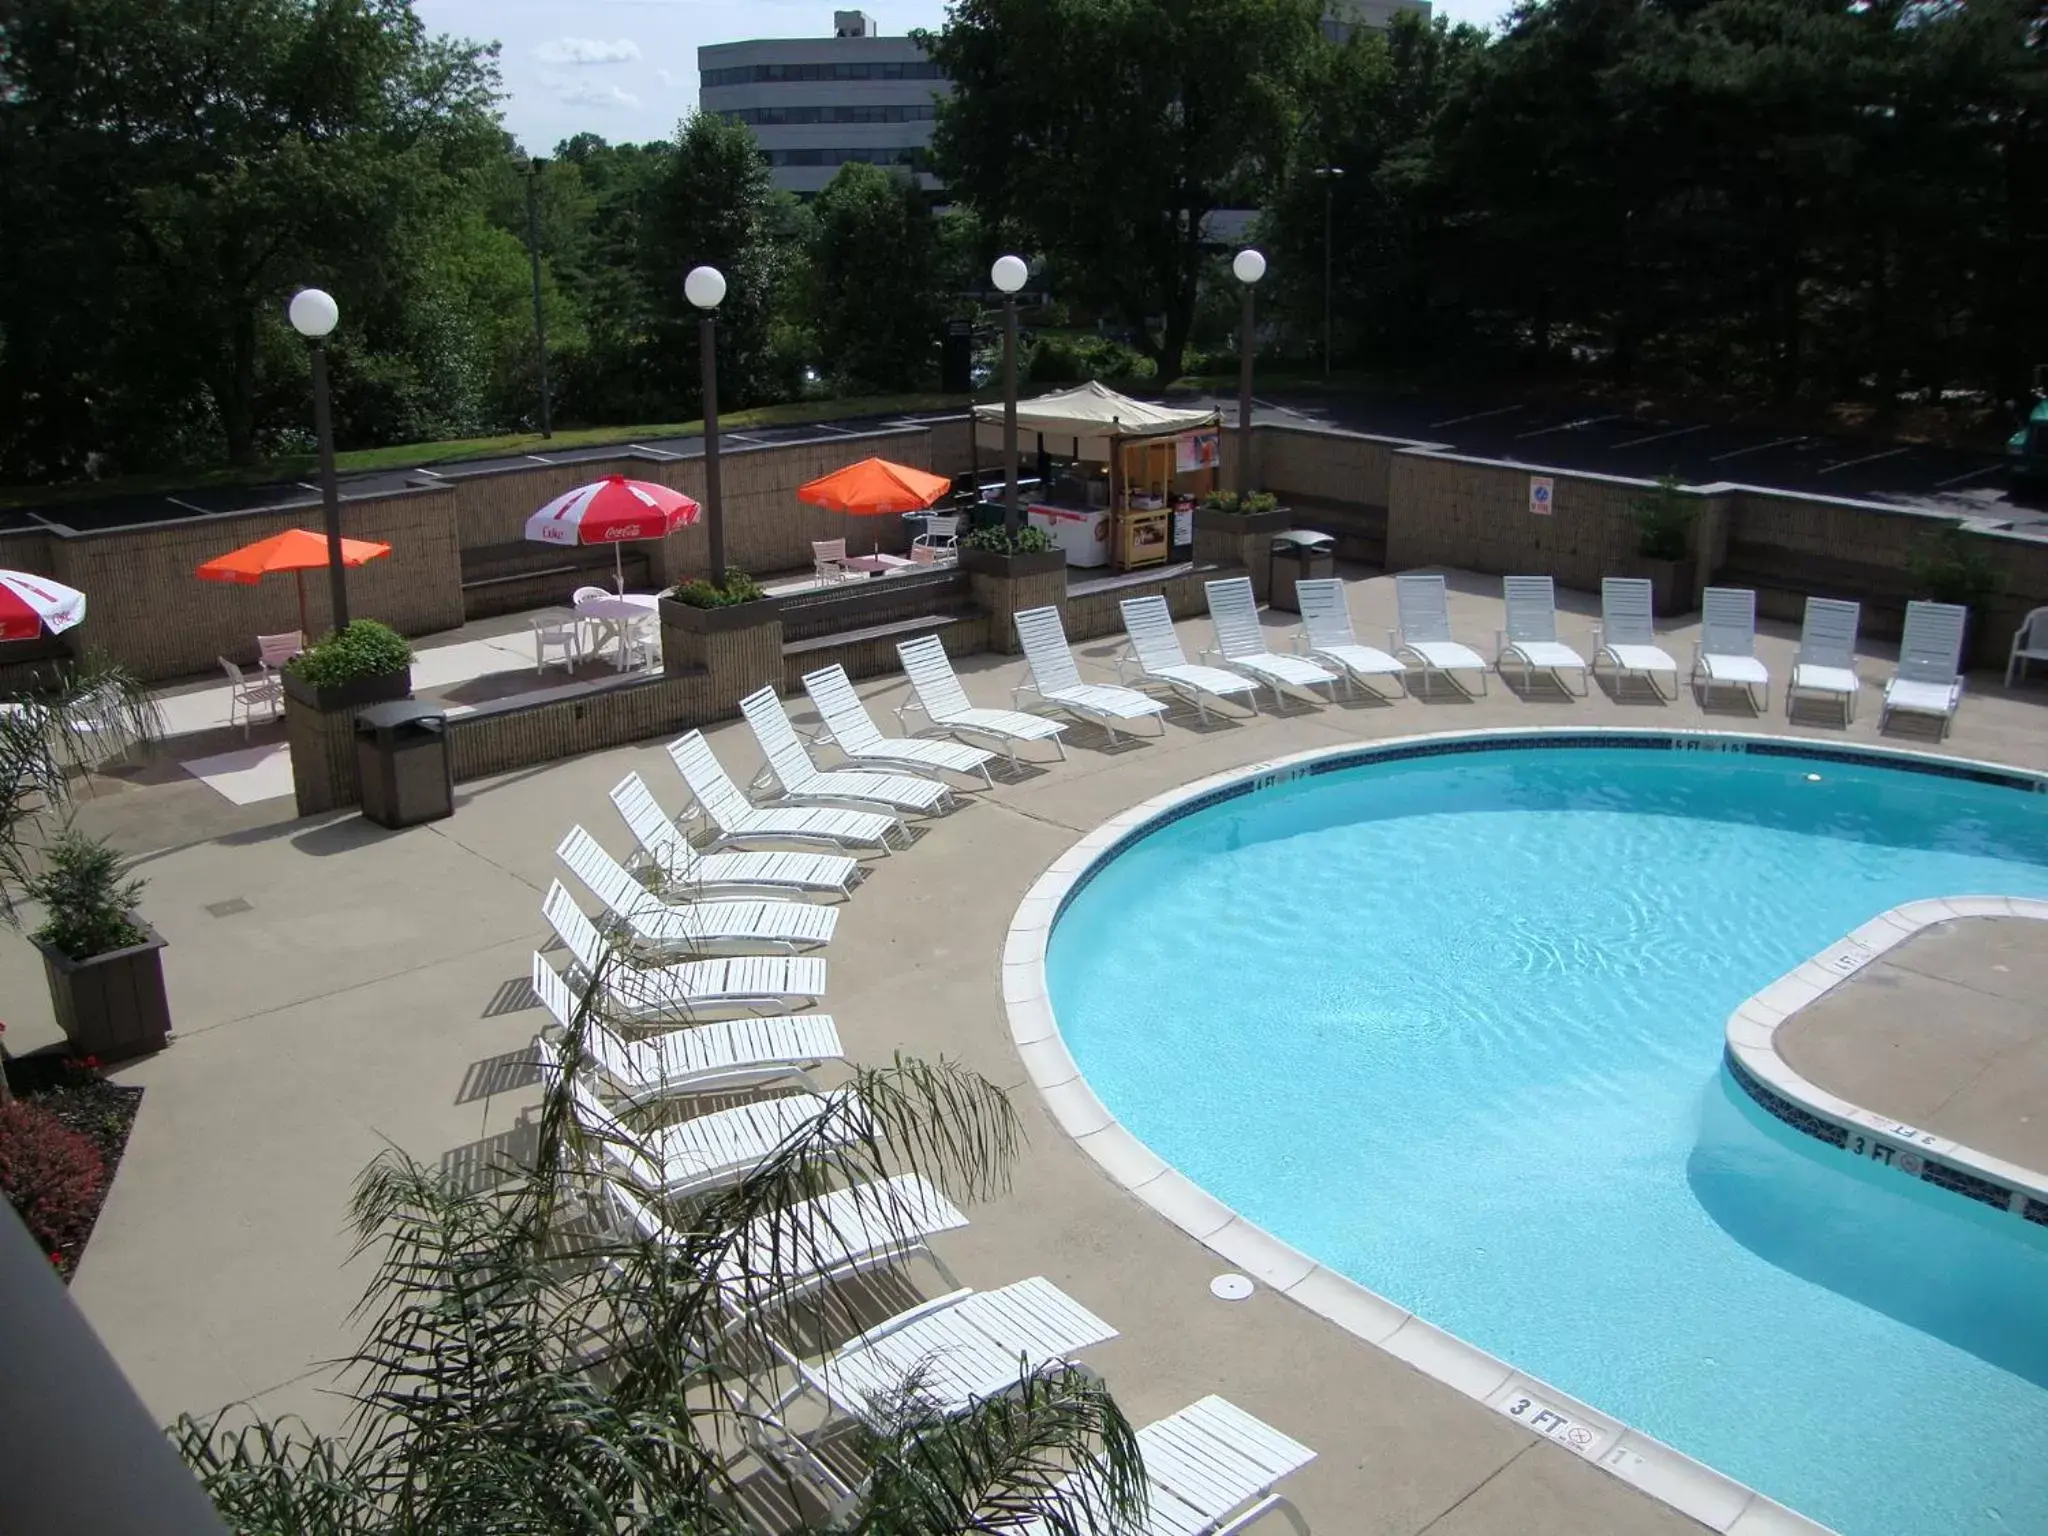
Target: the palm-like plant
(529, 1370)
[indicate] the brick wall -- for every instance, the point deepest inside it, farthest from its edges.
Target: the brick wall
(1343, 468)
(875, 655)
(1094, 611)
(499, 739)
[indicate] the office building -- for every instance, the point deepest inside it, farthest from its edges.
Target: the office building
(1343, 17)
(816, 103)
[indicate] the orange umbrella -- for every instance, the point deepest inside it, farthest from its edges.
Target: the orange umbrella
(297, 551)
(875, 488)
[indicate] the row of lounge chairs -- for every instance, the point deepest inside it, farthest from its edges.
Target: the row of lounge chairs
(691, 975)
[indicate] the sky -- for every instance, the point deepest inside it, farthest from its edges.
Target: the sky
(627, 69)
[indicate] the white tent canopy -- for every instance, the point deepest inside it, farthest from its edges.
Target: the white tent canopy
(1088, 417)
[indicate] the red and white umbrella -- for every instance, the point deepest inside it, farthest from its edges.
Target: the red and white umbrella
(612, 512)
(31, 604)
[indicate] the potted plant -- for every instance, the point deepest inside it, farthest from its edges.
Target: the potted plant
(366, 663)
(1664, 550)
(999, 552)
(699, 606)
(1951, 567)
(103, 963)
(1250, 513)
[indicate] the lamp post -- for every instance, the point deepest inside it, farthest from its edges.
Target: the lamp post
(1009, 274)
(1248, 266)
(540, 324)
(705, 288)
(1328, 175)
(314, 315)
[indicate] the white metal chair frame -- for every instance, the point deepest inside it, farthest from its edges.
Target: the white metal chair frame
(1627, 635)
(552, 632)
(2029, 643)
(244, 692)
(1728, 633)
(1827, 651)
(1423, 625)
(1529, 635)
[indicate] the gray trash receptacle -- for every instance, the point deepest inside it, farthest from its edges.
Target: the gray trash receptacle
(1299, 554)
(402, 763)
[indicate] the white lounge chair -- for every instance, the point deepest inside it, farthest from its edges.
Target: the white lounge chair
(735, 820)
(2029, 643)
(1530, 634)
(666, 929)
(849, 727)
(784, 1255)
(1929, 679)
(684, 870)
(1327, 635)
(803, 782)
(1241, 642)
(1155, 654)
(936, 694)
(1053, 677)
(1210, 1470)
(952, 1351)
(701, 1155)
(705, 1058)
(666, 995)
(1423, 637)
(1725, 653)
(1826, 663)
(1627, 636)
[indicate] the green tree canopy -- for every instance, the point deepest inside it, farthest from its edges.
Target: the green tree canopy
(876, 288)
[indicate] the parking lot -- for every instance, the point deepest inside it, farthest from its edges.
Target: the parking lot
(1614, 443)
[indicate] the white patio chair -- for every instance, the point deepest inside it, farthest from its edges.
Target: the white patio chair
(666, 995)
(2029, 643)
(828, 559)
(246, 693)
(1826, 663)
(846, 723)
(1241, 642)
(1627, 636)
(799, 781)
(1050, 673)
(941, 535)
(952, 1352)
(1929, 678)
(656, 927)
(552, 632)
(1423, 633)
(1530, 634)
(1725, 653)
(735, 820)
(273, 651)
(937, 695)
(1210, 1470)
(784, 1255)
(710, 1152)
(1326, 634)
(685, 871)
(1154, 653)
(705, 1058)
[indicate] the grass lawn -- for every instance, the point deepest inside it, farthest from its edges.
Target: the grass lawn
(414, 455)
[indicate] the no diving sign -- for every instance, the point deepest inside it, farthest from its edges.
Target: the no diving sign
(1539, 495)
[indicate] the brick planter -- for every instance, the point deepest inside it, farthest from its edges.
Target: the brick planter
(1007, 585)
(320, 725)
(112, 1006)
(1241, 539)
(983, 562)
(740, 646)
(1674, 585)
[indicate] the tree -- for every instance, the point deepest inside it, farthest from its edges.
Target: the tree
(1109, 130)
(877, 299)
(527, 1369)
(715, 205)
(173, 171)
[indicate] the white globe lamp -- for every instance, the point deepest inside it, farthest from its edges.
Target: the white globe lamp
(1248, 266)
(1009, 273)
(313, 313)
(705, 287)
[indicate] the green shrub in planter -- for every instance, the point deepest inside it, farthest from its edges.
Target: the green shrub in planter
(998, 540)
(697, 593)
(1664, 520)
(87, 909)
(365, 649)
(1949, 567)
(1251, 505)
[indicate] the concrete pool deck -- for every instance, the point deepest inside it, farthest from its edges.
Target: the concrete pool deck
(1948, 1032)
(337, 986)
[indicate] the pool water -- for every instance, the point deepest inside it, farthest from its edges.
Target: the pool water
(1453, 1026)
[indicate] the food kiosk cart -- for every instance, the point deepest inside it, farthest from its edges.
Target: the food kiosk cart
(1118, 478)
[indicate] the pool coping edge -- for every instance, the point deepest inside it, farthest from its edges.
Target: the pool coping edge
(1751, 1044)
(1664, 1473)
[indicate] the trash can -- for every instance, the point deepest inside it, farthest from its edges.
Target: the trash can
(402, 763)
(1300, 554)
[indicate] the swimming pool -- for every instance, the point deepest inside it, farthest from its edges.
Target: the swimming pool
(1453, 1025)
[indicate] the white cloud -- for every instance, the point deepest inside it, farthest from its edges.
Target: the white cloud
(667, 77)
(587, 50)
(589, 93)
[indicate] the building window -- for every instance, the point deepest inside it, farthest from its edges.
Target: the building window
(779, 74)
(776, 117)
(909, 157)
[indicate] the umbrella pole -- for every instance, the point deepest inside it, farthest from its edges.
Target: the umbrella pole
(618, 570)
(300, 577)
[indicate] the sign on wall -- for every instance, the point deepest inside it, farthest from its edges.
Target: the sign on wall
(1539, 495)
(1197, 450)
